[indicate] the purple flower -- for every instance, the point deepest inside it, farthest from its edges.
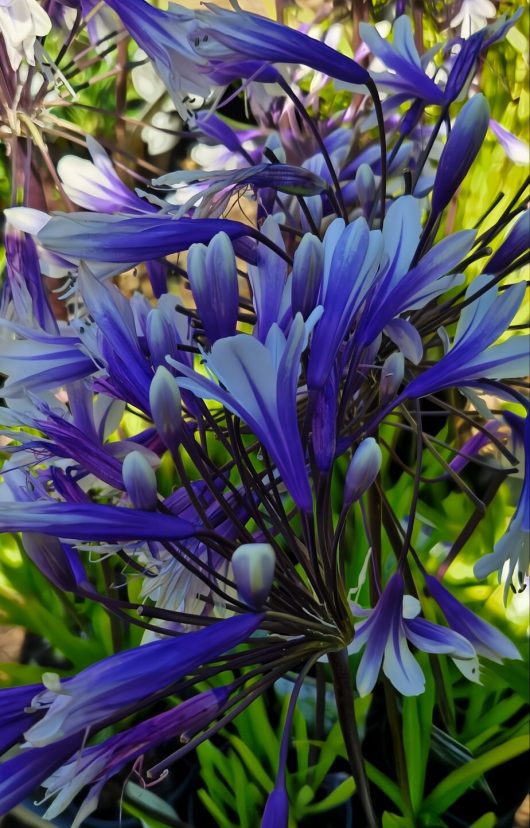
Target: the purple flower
(212, 273)
(259, 385)
(14, 718)
(112, 688)
(95, 185)
(385, 635)
(461, 149)
(486, 640)
(95, 765)
(470, 357)
(514, 546)
(22, 773)
(407, 77)
(91, 521)
(222, 36)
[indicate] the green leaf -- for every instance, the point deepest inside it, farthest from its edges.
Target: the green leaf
(395, 821)
(148, 807)
(489, 820)
(512, 674)
(252, 763)
(385, 784)
(457, 782)
(221, 820)
(341, 793)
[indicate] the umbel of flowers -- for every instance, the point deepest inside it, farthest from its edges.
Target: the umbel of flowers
(338, 309)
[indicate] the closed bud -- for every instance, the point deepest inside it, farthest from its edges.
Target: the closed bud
(515, 245)
(161, 337)
(212, 272)
(392, 374)
(461, 149)
(365, 184)
(308, 266)
(362, 471)
(276, 813)
(253, 567)
(166, 407)
(140, 481)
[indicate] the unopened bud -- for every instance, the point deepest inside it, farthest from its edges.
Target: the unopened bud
(308, 264)
(253, 567)
(392, 374)
(461, 149)
(140, 481)
(362, 471)
(365, 185)
(166, 407)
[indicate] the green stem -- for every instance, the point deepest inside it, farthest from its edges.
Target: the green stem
(342, 683)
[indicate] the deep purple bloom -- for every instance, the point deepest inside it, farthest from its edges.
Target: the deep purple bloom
(515, 245)
(22, 773)
(91, 521)
(112, 688)
(389, 626)
(14, 719)
(95, 765)
(470, 357)
(259, 385)
(486, 640)
(221, 35)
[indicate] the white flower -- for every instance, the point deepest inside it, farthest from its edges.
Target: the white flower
(21, 22)
(473, 16)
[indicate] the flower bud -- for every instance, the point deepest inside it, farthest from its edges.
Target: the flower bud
(461, 149)
(140, 481)
(392, 374)
(276, 813)
(161, 337)
(253, 567)
(365, 184)
(308, 265)
(166, 407)
(362, 471)
(212, 272)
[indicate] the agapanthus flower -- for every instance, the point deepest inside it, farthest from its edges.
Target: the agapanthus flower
(513, 547)
(190, 460)
(21, 23)
(386, 634)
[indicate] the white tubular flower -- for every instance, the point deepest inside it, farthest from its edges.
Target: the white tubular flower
(21, 22)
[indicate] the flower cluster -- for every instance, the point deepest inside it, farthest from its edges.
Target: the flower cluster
(263, 366)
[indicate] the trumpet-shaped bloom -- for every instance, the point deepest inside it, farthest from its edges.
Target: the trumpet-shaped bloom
(95, 765)
(259, 385)
(130, 679)
(386, 634)
(514, 546)
(486, 640)
(222, 36)
(352, 256)
(407, 74)
(91, 521)
(471, 358)
(95, 185)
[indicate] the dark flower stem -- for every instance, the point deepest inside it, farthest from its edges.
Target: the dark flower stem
(342, 683)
